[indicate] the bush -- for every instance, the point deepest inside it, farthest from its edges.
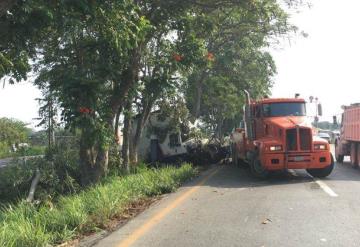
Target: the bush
(5, 151)
(29, 225)
(59, 170)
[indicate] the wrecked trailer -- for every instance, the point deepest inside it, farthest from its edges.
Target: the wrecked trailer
(164, 142)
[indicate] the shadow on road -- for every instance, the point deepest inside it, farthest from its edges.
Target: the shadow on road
(234, 177)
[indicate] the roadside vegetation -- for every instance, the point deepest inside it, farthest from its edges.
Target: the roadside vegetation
(15, 140)
(103, 67)
(26, 224)
(188, 59)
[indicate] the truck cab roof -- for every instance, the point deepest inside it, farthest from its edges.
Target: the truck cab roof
(279, 100)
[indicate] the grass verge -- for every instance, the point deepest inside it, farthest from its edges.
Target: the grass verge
(29, 225)
(30, 151)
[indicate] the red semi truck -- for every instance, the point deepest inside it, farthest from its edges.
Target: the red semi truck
(348, 143)
(278, 135)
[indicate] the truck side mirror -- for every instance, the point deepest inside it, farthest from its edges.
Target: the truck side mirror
(319, 109)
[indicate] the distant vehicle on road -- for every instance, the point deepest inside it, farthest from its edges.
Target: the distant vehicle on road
(325, 136)
(348, 142)
(277, 136)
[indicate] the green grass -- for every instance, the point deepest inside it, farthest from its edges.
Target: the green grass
(30, 151)
(29, 225)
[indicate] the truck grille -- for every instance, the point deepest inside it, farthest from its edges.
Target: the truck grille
(292, 142)
(305, 139)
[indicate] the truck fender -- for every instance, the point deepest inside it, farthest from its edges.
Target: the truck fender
(250, 155)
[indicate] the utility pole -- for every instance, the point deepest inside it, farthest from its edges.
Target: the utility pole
(51, 132)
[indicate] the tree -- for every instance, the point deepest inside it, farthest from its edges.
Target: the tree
(237, 61)
(99, 57)
(82, 64)
(161, 63)
(48, 113)
(12, 132)
(23, 24)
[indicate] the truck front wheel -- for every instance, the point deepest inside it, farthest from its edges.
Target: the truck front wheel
(339, 157)
(234, 156)
(322, 172)
(257, 169)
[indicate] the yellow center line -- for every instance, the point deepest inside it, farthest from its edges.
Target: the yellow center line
(136, 234)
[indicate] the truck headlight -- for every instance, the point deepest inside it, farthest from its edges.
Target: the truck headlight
(276, 148)
(320, 147)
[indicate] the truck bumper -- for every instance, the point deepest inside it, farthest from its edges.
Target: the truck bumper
(280, 161)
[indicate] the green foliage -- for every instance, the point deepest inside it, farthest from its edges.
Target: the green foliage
(86, 64)
(29, 225)
(12, 132)
(21, 27)
(60, 174)
(22, 151)
(236, 38)
(91, 57)
(326, 125)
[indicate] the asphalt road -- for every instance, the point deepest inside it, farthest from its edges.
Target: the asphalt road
(4, 162)
(7, 161)
(230, 208)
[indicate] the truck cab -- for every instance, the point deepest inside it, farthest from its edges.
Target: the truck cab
(278, 135)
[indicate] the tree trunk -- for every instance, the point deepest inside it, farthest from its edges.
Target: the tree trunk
(141, 122)
(33, 186)
(220, 132)
(126, 139)
(199, 91)
(94, 161)
(117, 117)
(127, 81)
(133, 154)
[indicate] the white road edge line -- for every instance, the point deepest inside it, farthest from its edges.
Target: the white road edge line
(326, 188)
(292, 172)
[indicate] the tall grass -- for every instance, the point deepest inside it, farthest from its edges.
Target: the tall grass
(29, 225)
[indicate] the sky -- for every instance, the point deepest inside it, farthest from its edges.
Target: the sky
(19, 101)
(325, 64)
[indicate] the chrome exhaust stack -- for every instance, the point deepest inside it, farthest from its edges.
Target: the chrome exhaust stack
(247, 117)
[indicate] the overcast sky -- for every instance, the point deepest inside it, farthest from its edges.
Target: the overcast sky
(326, 64)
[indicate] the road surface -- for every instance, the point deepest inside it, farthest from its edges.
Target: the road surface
(4, 162)
(227, 207)
(7, 161)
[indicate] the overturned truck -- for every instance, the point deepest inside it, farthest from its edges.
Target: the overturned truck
(160, 140)
(167, 140)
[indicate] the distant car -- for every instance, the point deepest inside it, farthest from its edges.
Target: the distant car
(325, 136)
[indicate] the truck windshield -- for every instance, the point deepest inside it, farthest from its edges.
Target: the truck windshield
(284, 109)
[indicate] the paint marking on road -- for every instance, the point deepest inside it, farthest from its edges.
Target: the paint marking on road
(155, 219)
(292, 172)
(326, 188)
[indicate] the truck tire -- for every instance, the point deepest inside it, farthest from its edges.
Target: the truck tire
(339, 157)
(257, 169)
(234, 156)
(322, 172)
(353, 155)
